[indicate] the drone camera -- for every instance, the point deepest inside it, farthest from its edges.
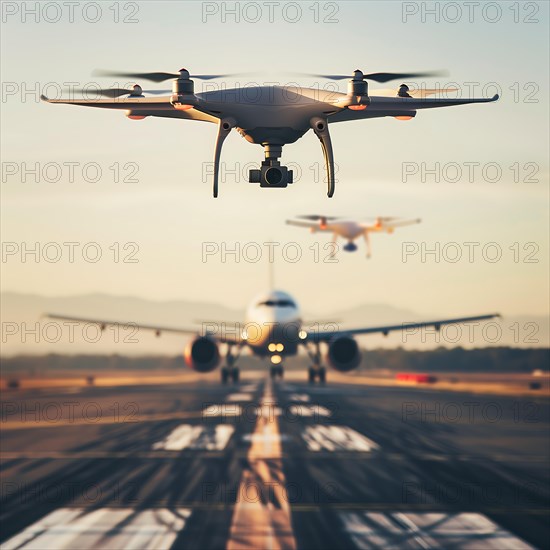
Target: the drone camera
(271, 174)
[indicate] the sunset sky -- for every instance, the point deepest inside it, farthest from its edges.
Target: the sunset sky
(170, 215)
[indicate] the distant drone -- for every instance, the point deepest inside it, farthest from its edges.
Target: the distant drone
(271, 116)
(350, 229)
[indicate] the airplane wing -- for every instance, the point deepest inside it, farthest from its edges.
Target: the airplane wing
(140, 106)
(325, 336)
(401, 106)
(228, 338)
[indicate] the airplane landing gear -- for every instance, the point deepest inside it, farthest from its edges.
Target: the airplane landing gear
(316, 370)
(277, 371)
(228, 374)
(231, 371)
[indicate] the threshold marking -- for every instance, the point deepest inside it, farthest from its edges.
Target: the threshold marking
(223, 409)
(336, 438)
(69, 528)
(460, 531)
(300, 397)
(308, 410)
(239, 397)
(201, 438)
(249, 387)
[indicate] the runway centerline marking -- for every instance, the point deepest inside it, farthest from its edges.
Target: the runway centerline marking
(263, 522)
(68, 528)
(336, 438)
(187, 436)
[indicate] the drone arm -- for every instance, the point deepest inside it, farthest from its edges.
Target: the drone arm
(145, 106)
(320, 127)
(403, 223)
(224, 127)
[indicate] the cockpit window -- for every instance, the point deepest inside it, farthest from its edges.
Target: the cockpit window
(277, 303)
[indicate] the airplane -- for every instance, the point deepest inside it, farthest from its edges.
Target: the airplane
(274, 329)
(271, 116)
(350, 229)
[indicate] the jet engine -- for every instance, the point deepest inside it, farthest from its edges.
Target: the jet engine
(202, 354)
(343, 353)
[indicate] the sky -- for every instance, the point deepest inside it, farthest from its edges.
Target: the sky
(151, 216)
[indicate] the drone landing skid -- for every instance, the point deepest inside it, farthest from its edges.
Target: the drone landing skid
(320, 127)
(224, 127)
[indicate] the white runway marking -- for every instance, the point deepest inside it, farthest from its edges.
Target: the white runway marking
(461, 531)
(239, 397)
(308, 410)
(229, 409)
(300, 397)
(69, 528)
(222, 410)
(336, 438)
(204, 438)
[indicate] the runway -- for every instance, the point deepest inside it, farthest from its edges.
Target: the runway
(278, 464)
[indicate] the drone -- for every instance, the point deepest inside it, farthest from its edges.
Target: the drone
(271, 116)
(350, 229)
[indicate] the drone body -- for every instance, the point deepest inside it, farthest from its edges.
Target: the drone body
(270, 116)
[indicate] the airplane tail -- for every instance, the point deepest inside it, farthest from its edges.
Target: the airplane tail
(271, 273)
(271, 270)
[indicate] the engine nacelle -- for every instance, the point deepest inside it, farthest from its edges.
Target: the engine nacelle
(344, 354)
(202, 354)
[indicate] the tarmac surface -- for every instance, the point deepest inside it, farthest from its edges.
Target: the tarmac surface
(273, 464)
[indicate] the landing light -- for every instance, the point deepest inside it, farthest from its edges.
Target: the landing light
(404, 117)
(276, 359)
(357, 107)
(280, 347)
(302, 335)
(272, 347)
(182, 106)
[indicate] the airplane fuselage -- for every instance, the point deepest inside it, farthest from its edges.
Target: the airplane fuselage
(273, 324)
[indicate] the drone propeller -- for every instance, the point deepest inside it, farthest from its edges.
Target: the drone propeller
(315, 217)
(159, 77)
(117, 92)
(417, 92)
(379, 77)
